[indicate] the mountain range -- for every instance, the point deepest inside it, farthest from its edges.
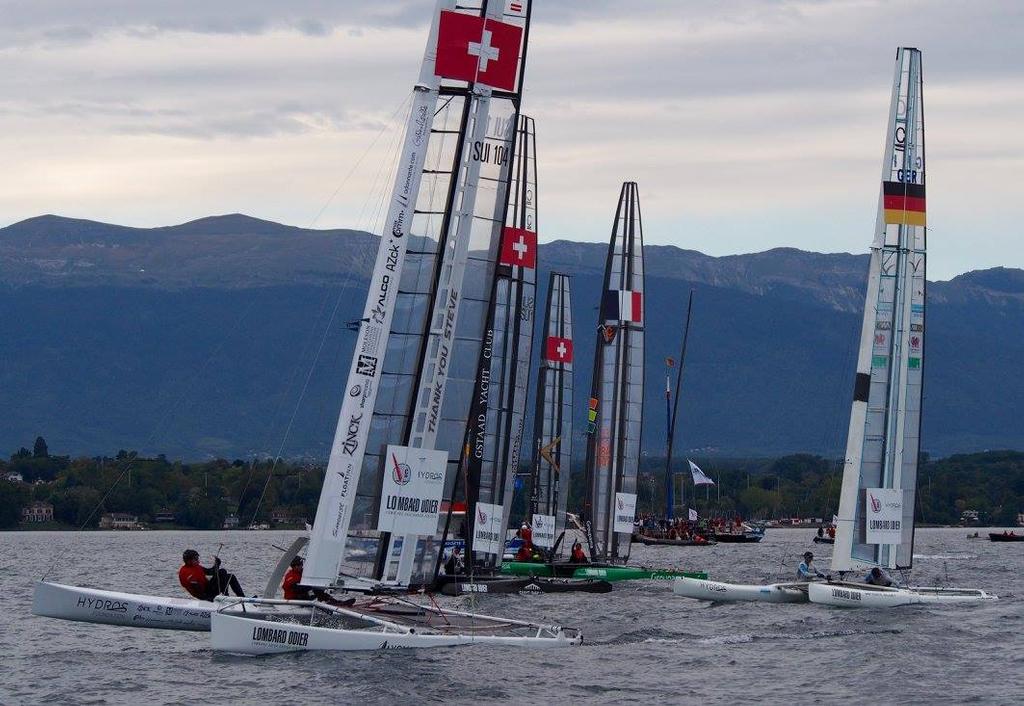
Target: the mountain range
(226, 336)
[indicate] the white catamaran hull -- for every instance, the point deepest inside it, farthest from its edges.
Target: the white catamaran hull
(234, 631)
(848, 595)
(91, 605)
(794, 592)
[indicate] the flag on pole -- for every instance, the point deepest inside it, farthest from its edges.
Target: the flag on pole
(693, 515)
(699, 477)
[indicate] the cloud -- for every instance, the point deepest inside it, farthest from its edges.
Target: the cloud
(748, 124)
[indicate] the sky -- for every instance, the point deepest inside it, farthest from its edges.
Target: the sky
(748, 124)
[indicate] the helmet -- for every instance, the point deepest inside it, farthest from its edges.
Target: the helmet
(189, 554)
(296, 561)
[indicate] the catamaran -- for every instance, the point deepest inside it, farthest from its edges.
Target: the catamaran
(876, 504)
(614, 413)
(422, 331)
(402, 428)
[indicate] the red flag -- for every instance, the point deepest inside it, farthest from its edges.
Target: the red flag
(558, 350)
(518, 247)
(471, 48)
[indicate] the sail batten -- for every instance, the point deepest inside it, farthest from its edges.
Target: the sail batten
(876, 509)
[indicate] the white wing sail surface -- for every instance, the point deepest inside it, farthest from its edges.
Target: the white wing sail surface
(876, 507)
(413, 369)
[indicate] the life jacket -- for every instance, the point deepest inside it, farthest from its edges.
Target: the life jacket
(292, 592)
(193, 580)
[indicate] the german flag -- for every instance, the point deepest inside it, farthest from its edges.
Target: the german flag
(903, 203)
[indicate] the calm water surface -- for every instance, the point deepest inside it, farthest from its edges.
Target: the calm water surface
(643, 644)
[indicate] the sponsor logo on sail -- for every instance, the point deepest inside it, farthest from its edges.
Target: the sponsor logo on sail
(355, 391)
(401, 473)
(351, 443)
(366, 365)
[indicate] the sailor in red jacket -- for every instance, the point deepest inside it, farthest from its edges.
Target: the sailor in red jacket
(295, 591)
(205, 583)
(292, 579)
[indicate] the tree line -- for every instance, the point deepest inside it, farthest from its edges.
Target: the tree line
(201, 495)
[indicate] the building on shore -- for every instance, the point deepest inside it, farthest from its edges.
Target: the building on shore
(14, 477)
(37, 512)
(164, 515)
(231, 521)
(119, 521)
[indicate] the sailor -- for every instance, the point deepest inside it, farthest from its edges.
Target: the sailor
(527, 534)
(294, 590)
(821, 531)
(578, 556)
(877, 577)
(193, 577)
(831, 531)
(290, 586)
(807, 571)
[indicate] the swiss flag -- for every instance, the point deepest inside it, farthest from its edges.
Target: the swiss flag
(518, 247)
(471, 48)
(558, 350)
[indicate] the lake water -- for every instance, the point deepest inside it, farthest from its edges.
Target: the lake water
(642, 643)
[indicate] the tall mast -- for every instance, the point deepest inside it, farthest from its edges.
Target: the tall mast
(497, 419)
(424, 319)
(673, 413)
(876, 506)
(552, 434)
(615, 409)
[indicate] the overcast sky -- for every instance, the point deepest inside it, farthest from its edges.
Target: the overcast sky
(749, 124)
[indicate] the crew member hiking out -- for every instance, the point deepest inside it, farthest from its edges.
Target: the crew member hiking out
(807, 571)
(206, 583)
(877, 577)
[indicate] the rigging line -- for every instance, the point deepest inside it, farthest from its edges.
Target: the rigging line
(98, 505)
(157, 427)
(389, 163)
(298, 403)
(393, 160)
(330, 199)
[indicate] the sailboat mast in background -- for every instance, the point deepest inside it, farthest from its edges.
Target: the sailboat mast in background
(552, 457)
(615, 407)
(494, 435)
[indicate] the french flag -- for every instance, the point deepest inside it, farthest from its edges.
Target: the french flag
(624, 305)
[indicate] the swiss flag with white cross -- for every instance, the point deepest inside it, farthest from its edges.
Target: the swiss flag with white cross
(473, 48)
(558, 350)
(518, 247)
